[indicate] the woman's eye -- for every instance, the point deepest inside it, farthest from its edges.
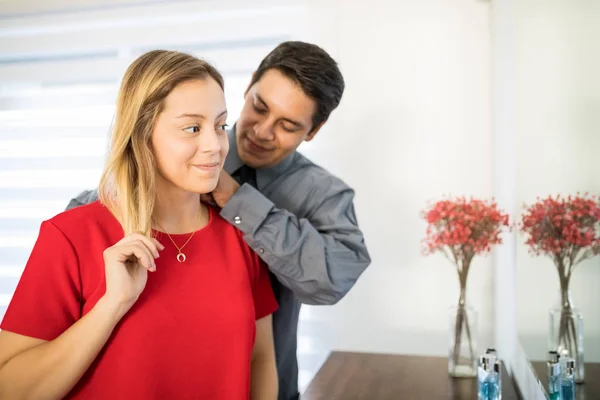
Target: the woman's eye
(192, 129)
(223, 127)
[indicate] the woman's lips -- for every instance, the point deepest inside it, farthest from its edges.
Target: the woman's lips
(207, 166)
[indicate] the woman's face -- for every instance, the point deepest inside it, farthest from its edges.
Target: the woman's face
(189, 138)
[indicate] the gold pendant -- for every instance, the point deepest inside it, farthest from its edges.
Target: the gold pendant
(181, 257)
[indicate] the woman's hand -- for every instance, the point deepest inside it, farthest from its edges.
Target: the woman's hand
(126, 267)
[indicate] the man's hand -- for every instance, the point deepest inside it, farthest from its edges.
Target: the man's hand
(225, 189)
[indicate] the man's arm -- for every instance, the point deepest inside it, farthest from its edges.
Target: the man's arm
(85, 197)
(319, 258)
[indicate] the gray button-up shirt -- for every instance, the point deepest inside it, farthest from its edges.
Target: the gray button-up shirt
(300, 219)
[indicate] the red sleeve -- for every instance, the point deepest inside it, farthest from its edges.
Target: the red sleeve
(47, 299)
(264, 298)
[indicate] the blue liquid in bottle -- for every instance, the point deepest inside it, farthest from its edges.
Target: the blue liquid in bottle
(554, 387)
(554, 378)
(488, 378)
(567, 390)
(567, 382)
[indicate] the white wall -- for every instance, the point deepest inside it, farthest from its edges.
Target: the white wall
(559, 143)
(503, 38)
(414, 124)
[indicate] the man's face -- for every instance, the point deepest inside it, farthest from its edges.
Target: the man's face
(276, 118)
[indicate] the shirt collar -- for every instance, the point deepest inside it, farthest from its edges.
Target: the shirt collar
(264, 176)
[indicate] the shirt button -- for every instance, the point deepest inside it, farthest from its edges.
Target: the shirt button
(261, 251)
(237, 220)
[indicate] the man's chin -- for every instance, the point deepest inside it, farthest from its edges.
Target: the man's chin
(257, 164)
(250, 159)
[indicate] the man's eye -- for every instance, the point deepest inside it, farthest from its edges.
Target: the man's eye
(259, 110)
(192, 129)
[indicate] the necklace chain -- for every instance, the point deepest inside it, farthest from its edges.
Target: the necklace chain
(180, 255)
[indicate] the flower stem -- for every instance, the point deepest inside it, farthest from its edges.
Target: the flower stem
(462, 322)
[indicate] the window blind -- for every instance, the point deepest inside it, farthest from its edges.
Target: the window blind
(59, 76)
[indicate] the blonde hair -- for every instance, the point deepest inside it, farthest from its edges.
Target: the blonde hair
(128, 183)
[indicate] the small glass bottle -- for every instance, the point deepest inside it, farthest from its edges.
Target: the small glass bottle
(553, 375)
(496, 388)
(567, 381)
(492, 352)
(566, 333)
(487, 378)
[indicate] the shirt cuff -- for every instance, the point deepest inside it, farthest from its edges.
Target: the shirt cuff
(247, 209)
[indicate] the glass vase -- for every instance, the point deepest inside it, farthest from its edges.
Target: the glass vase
(566, 333)
(462, 349)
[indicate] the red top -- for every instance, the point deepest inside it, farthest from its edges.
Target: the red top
(189, 335)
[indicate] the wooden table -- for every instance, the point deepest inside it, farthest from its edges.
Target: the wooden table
(588, 390)
(364, 376)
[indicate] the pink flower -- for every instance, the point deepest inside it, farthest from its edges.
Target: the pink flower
(463, 228)
(564, 228)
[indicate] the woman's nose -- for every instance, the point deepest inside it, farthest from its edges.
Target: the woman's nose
(209, 142)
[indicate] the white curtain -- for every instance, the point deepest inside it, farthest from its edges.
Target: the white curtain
(59, 75)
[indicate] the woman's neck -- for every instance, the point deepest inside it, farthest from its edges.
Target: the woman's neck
(177, 211)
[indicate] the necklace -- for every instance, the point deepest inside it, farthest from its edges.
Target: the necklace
(180, 255)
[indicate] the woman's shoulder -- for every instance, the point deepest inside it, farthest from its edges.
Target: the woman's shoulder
(77, 221)
(227, 235)
(222, 227)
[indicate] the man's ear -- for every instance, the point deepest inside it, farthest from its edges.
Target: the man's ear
(312, 133)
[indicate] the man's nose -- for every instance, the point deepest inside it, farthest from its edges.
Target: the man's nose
(264, 130)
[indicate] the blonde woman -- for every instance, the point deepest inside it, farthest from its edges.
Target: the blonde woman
(146, 293)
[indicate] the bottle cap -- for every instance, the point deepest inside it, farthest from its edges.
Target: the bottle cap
(497, 367)
(488, 363)
(485, 362)
(570, 366)
(492, 352)
(553, 363)
(553, 357)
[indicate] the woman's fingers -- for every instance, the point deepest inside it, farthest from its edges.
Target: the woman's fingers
(138, 250)
(153, 245)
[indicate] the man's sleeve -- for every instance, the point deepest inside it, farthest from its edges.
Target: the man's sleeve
(319, 258)
(83, 198)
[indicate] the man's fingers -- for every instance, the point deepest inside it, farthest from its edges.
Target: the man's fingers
(207, 198)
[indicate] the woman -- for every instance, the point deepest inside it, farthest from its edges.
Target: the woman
(147, 293)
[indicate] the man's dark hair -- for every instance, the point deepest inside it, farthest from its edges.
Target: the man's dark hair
(312, 69)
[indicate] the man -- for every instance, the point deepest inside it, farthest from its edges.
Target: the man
(297, 216)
